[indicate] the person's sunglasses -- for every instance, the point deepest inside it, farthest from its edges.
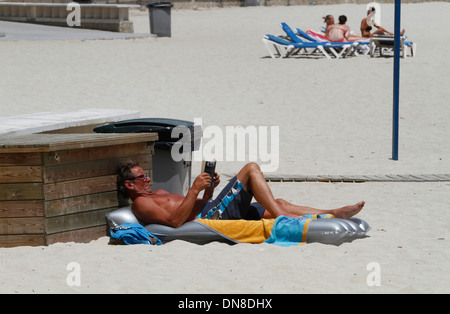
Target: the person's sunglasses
(141, 177)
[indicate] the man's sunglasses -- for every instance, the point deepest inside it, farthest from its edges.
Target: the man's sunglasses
(141, 177)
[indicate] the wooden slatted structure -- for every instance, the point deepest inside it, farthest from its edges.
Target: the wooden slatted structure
(58, 187)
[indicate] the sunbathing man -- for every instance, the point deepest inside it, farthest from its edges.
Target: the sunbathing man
(234, 202)
(329, 20)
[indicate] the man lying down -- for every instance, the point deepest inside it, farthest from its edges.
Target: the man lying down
(233, 202)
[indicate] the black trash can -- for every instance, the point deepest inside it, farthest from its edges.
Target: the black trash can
(168, 174)
(252, 3)
(160, 19)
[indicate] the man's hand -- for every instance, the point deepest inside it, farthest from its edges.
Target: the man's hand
(201, 182)
(216, 180)
(209, 191)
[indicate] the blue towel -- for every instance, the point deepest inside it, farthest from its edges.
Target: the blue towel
(133, 234)
(288, 231)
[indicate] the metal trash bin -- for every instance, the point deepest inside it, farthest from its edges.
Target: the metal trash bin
(252, 3)
(160, 19)
(167, 174)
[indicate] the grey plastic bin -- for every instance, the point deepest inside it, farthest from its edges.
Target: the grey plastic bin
(160, 18)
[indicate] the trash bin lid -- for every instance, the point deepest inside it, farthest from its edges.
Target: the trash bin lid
(161, 126)
(159, 5)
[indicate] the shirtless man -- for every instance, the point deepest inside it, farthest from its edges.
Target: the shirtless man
(329, 20)
(234, 202)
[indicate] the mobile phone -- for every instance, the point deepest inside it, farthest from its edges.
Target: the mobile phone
(210, 168)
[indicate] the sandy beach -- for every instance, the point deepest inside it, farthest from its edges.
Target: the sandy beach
(334, 118)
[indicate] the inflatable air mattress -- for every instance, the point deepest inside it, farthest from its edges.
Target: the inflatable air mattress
(327, 230)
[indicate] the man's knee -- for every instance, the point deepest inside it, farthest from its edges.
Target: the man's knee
(252, 166)
(249, 172)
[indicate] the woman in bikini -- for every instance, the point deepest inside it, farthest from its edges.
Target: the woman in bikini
(341, 32)
(368, 22)
(333, 31)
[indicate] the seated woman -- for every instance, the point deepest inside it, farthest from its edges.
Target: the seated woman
(337, 33)
(341, 32)
(368, 22)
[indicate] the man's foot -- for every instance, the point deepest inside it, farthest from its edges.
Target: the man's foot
(349, 211)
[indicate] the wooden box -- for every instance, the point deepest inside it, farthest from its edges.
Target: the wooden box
(58, 187)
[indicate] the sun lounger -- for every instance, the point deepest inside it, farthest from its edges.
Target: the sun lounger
(283, 48)
(363, 46)
(338, 49)
(307, 36)
(387, 41)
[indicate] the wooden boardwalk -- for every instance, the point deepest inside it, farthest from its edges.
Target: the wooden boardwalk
(358, 178)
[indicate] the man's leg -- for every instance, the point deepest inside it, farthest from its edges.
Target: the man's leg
(254, 182)
(342, 212)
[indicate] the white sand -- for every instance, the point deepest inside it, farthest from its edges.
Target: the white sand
(335, 118)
